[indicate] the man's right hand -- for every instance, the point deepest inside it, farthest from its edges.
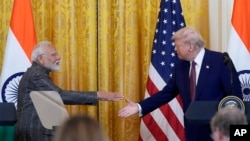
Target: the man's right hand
(131, 109)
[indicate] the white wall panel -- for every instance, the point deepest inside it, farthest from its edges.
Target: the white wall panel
(219, 23)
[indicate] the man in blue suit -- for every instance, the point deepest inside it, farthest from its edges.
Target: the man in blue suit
(213, 81)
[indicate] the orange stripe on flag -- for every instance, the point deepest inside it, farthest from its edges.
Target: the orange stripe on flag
(239, 43)
(22, 25)
(241, 20)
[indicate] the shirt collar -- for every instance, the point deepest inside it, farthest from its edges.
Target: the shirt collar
(198, 59)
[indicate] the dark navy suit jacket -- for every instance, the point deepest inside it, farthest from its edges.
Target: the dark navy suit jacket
(214, 83)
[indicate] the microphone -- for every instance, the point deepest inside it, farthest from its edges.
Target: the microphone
(229, 64)
(227, 59)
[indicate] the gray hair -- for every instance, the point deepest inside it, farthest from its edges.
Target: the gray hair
(189, 36)
(228, 116)
(38, 50)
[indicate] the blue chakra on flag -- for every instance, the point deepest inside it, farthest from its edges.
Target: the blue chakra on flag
(10, 88)
(244, 77)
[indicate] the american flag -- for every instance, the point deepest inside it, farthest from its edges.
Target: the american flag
(165, 123)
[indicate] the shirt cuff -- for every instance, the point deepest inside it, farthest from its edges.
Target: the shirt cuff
(140, 110)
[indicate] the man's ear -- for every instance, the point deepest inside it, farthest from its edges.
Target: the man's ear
(221, 135)
(40, 59)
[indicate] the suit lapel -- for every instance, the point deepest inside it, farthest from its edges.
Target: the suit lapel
(184, 73)
(204, 73)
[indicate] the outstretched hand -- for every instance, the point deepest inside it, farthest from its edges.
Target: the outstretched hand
(109, 96)
(130, 109)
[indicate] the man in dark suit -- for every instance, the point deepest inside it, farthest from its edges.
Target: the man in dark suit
(212, 80)
(44, 60)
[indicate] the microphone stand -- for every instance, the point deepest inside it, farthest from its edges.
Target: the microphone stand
(228, 63)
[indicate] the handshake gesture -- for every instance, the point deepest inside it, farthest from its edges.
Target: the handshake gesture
(130, 109)
(109, 96)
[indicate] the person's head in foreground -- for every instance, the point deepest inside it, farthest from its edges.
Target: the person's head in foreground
(80, 128)
(221, 121)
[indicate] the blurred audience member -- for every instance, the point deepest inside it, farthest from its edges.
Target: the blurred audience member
(221, 121)
(80, 128)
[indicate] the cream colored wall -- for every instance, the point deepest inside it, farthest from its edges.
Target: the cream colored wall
(219, 23)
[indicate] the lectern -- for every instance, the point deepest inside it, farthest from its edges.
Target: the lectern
(7, 114)
(201, 112)
(8, 119)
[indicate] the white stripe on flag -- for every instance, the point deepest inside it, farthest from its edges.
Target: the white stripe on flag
(175, 106)
(239, 44)
(159, 83)
(159, 118)
(146, 133)
(15, 59)
(156, 78)
(164, 125)
(238, 52)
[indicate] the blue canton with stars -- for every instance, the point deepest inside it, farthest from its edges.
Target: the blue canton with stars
(170, 19)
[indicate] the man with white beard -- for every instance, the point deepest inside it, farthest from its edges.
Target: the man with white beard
(44, 60)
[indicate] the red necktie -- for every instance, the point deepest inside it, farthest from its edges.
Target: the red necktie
(192, 80)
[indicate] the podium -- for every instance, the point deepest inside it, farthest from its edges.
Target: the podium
(201, 112)
(8, 120)
(7, 114)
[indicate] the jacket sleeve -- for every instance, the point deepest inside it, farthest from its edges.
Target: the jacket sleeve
(43, 82)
